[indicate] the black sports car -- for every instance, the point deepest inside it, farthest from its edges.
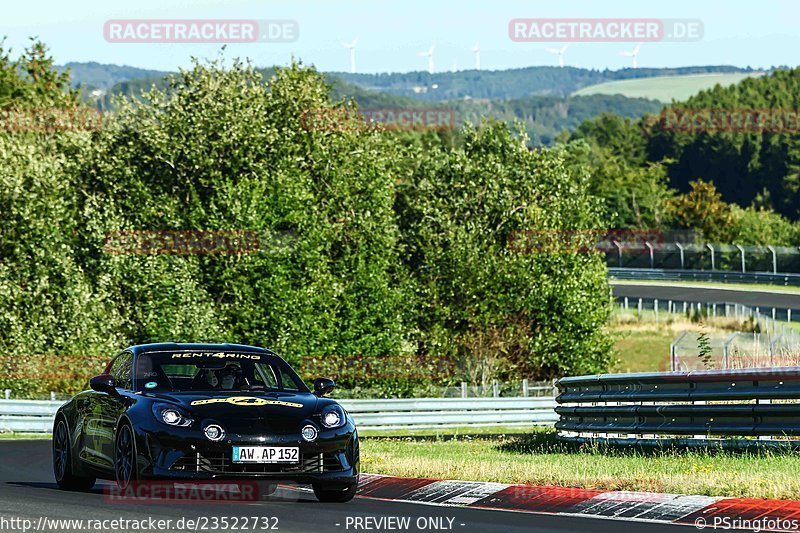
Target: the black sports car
(205, 411)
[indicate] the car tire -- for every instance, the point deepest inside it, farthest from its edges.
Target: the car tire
(62, 461)
(329, 494)
(125, 464)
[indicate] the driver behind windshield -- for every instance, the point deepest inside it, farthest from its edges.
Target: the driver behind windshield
(228, 378)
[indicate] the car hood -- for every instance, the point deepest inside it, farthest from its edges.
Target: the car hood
(242, 405)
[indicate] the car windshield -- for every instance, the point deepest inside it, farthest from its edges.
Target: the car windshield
(214, 371)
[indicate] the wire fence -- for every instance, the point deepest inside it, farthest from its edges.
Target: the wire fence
(680, 256)
(772, 340)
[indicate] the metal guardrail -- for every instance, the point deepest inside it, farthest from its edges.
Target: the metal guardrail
(706, 405)
(37, 416)
(722, 276)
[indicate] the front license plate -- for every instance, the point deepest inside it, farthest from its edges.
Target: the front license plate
(265, 454)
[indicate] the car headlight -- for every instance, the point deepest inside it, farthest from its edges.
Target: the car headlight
(333, 417)
(171, 416)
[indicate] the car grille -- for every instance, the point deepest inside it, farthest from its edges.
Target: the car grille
(220, 463)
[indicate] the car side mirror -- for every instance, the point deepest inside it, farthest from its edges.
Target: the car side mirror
(103, 383)
(323, 386)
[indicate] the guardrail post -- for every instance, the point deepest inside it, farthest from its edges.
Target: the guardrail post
(714, 310)
(524, 388)
(555, 387)
(8, 394)
(655, 308)
(788, 315)
(626, 303)
(639, 309)
(713, 266)
(669, 306)
(652, 258)
(684, 308)
(463, 389)
(495, 388)
(741, 252)
(774, 259)
(52, 396)
(680, 248)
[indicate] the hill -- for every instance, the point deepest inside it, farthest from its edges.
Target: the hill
(104, 76)
(511, 83)
(666, 88)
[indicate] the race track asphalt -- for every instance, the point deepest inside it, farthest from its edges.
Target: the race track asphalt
(28, 491)
(696, 293)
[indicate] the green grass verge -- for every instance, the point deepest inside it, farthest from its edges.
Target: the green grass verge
(738, 286)
(538, 459)
(664, 88)
(12, 435)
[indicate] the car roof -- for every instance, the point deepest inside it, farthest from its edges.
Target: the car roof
(185, 347)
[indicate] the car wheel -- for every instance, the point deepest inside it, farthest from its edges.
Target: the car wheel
(125, 470)
(335, 495)
(62, 461)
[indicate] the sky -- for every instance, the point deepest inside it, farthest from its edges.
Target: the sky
(391, 33)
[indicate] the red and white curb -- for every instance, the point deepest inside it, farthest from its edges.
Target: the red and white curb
(700, 511)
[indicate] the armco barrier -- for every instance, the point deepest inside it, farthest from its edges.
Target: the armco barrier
(722, 276)
(37, 416)
(705, 405)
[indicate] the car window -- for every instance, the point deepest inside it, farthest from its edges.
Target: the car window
(122, 370)
(288, 381)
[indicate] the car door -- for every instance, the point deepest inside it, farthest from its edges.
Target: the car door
(104, 410)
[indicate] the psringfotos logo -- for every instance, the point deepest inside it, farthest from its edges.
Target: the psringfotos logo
(596, 30)
(200, 31)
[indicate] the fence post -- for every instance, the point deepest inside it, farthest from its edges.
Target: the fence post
(680, 248)
(463, 389)
(713, 266)
(619, 251)
(788, 315)
(495, 389)
(626, 303)
(639, 309)
(525, 388)
(655, 308)
(725, 351)
(741, 252)
(774, 259)
(669, 306)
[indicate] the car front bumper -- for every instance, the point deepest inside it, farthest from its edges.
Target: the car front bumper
(333, 458)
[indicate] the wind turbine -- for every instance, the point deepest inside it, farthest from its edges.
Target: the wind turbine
(477, 51)
(429, 55)
(352, 48)
(558, 51)
(633, 54)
